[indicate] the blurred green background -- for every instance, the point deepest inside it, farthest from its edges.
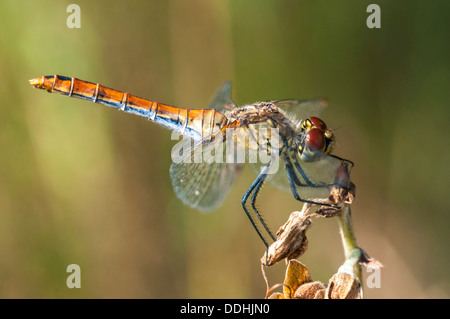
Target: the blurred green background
(85, 184)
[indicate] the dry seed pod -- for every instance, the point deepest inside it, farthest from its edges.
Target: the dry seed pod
(320, 294)
(277, 295)
(309, 290)
(291, 240)
(343, 286)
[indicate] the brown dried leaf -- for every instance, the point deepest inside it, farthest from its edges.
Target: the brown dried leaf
(296, 275)
(309, 290)
(343, 286)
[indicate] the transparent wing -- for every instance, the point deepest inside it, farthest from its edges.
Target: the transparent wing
(321, 172)
(302, 109)
(222, 99)
(199, 183)
(199, 177)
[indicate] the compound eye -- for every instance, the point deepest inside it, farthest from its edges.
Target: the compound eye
(315, 139)
(318, 123)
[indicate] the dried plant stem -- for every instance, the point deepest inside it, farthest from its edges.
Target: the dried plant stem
(351, 249)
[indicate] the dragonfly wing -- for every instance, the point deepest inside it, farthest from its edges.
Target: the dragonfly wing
(198, 179)
(302, 109)
(222, 100)
(321, 172)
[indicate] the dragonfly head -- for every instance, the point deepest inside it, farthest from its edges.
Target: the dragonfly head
(315, 139)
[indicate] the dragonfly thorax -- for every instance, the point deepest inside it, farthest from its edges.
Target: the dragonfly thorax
(314, 140)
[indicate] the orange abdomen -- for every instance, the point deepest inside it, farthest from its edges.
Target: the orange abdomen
(197, 124)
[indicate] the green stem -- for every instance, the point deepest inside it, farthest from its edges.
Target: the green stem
(349, 240)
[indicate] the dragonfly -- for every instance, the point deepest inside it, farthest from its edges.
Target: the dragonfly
(302, 147)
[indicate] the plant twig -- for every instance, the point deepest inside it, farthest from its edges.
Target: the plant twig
(349, 240)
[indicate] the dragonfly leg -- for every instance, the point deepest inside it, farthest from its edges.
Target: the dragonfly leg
(253, 202)
(256, 185)
(302, 173)
(293, 181)
(293, 175)
(343, 160)
(307, 180)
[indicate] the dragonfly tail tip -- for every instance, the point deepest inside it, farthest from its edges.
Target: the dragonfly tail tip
(35, 82)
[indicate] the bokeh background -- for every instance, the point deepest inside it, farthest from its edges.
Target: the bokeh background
(81, 183)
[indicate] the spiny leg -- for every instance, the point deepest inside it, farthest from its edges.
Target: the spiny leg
(307, 180)
(292, 182)
(256, 184)
(300, 170)
(253, 202)
(343, 160)
(243, 202)
(293, 175)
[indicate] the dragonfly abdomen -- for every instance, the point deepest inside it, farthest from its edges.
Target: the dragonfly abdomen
(193, 123)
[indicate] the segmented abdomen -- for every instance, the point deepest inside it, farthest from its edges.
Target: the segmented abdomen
(194, 123)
